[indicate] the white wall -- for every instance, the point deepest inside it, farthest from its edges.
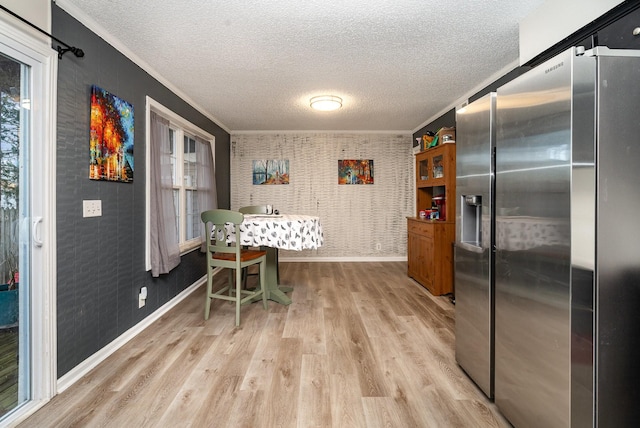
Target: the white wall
(555, 20)
(354, 217)
(38, 12)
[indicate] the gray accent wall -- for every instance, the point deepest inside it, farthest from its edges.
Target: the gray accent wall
(101, 260)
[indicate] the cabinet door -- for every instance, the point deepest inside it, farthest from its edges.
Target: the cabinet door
(422, 168)
(420, 266)
(437, 170)
(426, 267)
(413, 243)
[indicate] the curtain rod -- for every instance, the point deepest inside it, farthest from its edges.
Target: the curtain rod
(76, 51)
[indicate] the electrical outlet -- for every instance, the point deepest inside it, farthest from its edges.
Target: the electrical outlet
(378, 246)
(92, 208)
(142, 297)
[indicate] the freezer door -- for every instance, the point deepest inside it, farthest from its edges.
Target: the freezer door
(618, 237)
(533, 259)
(475, 136)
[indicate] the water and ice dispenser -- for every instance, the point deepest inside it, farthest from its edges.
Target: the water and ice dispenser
(471, 220)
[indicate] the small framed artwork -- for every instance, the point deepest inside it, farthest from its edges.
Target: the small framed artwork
(274, 171)
(111, 140)
(358, 171)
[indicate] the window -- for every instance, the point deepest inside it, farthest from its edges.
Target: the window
(188, 166)
(185, 187)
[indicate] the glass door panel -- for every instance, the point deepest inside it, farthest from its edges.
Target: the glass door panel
(423, 167)
(438, 167)
(15, 240)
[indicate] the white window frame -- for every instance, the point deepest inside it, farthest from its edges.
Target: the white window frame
(180, 126)
(182, 188)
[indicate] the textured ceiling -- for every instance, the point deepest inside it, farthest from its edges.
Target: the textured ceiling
(253, 65)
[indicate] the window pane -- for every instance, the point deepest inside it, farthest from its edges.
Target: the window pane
(192, 215)
(176, 204)
(174, 163)
(189, 162)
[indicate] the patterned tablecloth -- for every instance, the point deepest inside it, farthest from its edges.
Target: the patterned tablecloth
(287, 231)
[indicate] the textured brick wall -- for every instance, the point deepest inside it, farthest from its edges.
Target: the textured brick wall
(354, 217)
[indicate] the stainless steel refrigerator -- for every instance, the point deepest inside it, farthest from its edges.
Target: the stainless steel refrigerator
(567, 285)
(474, 257)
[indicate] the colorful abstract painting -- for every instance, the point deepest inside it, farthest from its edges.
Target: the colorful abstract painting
(271, 171)
(111, 137)
(355, 171)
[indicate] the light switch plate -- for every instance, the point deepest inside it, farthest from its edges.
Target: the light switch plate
(92, 208)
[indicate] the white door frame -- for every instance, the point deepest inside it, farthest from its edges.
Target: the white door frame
(20, 42)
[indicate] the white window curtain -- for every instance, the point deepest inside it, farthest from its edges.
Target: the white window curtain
(165, 250)
(206, 180)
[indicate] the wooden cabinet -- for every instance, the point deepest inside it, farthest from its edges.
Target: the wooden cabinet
(430, 242)
(436, 178)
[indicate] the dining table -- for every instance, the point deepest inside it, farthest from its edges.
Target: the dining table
(280, 232)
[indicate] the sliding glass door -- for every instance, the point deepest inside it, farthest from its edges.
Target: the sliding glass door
(27, 177)
(14, 239)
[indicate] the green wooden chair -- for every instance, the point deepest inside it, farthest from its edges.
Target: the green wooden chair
(231, 256)
(257, 209)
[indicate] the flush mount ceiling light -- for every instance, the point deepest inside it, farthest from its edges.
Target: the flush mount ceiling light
(325, 102)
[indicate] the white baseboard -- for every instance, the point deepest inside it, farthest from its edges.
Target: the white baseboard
(87, 365)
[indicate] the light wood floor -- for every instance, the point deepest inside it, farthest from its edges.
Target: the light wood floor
(362, 345)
